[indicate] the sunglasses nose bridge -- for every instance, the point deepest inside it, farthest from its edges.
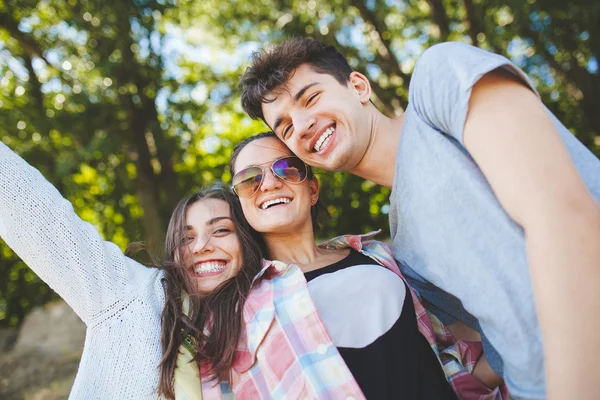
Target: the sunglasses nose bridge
(269, 178)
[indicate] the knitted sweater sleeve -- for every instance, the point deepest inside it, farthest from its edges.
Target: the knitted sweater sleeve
(67, 253)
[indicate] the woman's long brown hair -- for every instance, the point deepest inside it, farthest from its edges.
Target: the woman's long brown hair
(222, 307)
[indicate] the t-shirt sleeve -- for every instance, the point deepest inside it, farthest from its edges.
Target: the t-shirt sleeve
(442, 80)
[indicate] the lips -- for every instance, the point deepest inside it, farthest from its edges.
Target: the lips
(276, 201)
(209, 268)
(324, 139)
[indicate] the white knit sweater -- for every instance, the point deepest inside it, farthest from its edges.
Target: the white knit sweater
(119, 299)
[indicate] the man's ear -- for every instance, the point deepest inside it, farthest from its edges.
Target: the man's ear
(313, 187)
(361, 85)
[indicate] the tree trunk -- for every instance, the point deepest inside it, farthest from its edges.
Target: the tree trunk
(474, 27)
(146, 183)
(440, 18)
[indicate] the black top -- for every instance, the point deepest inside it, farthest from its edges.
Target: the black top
(399, 363)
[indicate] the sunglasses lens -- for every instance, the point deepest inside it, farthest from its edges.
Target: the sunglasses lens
(246, 182)
(290, 169)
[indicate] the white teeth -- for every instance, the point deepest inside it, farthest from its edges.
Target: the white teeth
(324, 139)
(209, 266)
(268, 203)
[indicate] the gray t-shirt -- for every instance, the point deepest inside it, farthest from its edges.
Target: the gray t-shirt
(450, 234)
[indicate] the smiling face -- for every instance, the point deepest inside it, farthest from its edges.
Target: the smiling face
(277, 206)
(323, 122)
(211, 249)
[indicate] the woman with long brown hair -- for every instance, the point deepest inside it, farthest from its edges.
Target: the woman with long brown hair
(207, 278)
(148, 329)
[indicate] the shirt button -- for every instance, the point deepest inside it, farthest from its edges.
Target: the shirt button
(350, 398)
(322, 349)
(297, 296)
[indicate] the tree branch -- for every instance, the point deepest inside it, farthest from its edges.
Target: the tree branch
(385, 50)
(576, 77)
(10, 24)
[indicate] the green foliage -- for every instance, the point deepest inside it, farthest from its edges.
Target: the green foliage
(125, 106)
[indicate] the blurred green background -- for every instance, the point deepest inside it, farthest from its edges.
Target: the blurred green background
(128, 105)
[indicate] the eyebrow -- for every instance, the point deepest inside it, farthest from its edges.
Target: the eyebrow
(296, 97)
(210, 222)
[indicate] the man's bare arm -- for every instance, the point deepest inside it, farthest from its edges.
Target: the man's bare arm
(515, 143)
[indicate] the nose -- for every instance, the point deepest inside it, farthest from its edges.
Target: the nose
(202, 245)
(270, 181)
(304, 124)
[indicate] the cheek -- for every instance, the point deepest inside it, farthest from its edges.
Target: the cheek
(246, 206)
(234, 249)
(236, 269)
(250, 212)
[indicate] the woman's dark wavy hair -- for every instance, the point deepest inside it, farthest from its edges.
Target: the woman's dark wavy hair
(221, 308)
(272, 67)
(317, 209)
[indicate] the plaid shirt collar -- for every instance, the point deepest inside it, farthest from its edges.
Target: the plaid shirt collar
(259, 310)
(355, 242)
(349, 241)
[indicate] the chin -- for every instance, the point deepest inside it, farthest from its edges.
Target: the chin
(207, 287)
(287, 227)
(279, 227)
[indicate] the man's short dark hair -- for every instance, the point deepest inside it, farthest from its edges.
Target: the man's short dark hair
(272, 67)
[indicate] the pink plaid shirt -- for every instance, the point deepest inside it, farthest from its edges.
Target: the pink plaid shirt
(285, 351)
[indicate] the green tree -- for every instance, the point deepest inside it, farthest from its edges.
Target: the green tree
(125, 106)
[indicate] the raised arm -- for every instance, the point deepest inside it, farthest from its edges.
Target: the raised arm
(66, 252)
(514, 141)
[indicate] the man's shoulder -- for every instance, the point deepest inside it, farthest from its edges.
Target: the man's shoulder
(452, 61)
(452, 52)
(446, 50)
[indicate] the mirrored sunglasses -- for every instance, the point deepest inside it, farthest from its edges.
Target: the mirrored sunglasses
(289, 169)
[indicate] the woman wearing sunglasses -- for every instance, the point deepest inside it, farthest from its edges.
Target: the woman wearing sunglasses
(146, 335)
(341, 321)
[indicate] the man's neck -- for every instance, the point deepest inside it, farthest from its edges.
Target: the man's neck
(379, 161)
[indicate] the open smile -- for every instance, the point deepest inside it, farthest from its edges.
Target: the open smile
(324, 139)
(275, 202)
(203, 269)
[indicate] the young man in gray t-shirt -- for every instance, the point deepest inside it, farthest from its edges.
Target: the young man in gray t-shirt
(494, 203)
